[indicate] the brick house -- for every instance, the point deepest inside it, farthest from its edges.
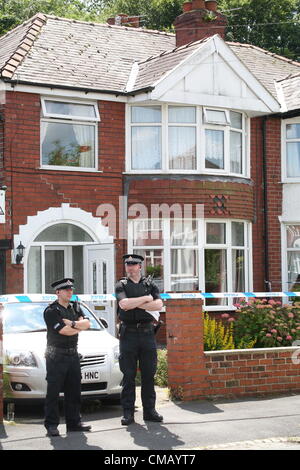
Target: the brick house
(102, 124)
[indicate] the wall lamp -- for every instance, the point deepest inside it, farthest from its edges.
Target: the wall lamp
(20, 253)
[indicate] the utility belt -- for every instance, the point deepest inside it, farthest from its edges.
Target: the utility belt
(144, 327)
(54, 350)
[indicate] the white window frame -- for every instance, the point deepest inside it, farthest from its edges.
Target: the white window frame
(200, 141)
(284, 176)
(200, 247)
(284, 251)
(62, 118)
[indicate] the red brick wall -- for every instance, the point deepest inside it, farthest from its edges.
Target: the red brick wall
(252, 372)
(195, 374)
(36, 190)
(239, 202)
(274, 191)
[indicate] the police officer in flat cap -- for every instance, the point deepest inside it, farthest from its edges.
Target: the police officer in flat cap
(138, 298)
(64, 320)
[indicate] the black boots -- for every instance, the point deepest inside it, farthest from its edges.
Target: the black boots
(152, 415)
(128, 417)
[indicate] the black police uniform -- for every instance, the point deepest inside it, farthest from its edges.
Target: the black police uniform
(63, 366)
(137, 344)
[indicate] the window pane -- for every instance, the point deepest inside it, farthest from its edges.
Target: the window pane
(215, 274)
(182, 114)
(147, 232)
(34, 270)
(214, 149)
(218, 117)
(146, 114)
(184, 269)
(182, 148)
(235, 152)
(68, 144)
(293, 236)
(146, 148)
(77, 256)
(54, 267)
(237, 234)
(293, 159)
(215, 233)
(70, 109)
(63, 233)
(184, 232)
(236, 120)
(293, 131)
(153, 265)
(238, 270)
(294, 271)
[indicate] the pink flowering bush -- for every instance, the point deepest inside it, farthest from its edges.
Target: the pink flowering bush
(265, 324)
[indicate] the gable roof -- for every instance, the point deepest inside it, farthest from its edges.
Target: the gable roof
(47, 50)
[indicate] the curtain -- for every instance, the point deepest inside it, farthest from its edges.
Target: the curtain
(235, 152)
(214, 149)
(146, 147)
(294, 270)
(182, 148)
(293, 159)
(85, 142)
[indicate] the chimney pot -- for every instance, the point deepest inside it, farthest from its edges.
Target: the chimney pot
(198, 4)
(211, 5)
(125, 20)
(187, 6)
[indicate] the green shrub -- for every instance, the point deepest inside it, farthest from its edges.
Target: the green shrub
(216, 335)
(265, 323)
(161, 376)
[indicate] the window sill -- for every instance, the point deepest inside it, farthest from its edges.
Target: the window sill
(64, 168)
(184, 172)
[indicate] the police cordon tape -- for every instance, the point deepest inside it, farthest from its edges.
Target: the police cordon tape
(165, 296)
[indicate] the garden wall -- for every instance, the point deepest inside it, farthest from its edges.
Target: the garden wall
(194, 373)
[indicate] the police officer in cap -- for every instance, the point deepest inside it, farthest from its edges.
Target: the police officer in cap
(137, 298)
(64, 320)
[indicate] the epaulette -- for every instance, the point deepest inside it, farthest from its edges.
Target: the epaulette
(124, 281)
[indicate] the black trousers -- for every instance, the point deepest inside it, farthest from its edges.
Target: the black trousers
(63, 375)
(138, 347)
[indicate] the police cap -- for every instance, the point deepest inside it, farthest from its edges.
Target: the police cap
(66, 283)
(133, 259)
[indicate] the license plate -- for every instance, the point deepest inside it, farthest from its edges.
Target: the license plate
(90, 376)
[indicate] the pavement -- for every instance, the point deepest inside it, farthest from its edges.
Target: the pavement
(271, 423)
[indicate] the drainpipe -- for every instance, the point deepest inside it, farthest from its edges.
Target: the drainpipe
(265, 208)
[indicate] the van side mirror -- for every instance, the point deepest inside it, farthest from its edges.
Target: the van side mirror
(104, 322)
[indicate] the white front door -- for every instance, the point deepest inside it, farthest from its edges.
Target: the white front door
(100, 279)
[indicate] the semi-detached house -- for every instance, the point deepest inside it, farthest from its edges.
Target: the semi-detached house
(103, 127)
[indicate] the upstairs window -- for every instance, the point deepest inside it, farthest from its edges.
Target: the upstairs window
(69, 134)
(292, 149)
(186, 139)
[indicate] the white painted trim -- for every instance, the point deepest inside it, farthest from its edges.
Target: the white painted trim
(64, 93)
(93, 124)
(200, 143)
(163, 87)
(69, 117)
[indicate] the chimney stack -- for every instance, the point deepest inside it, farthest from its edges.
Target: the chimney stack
(125, 20)
(200, 19)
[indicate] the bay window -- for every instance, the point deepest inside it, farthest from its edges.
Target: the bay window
(186, 139)
(188, 254)
(69, 134)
